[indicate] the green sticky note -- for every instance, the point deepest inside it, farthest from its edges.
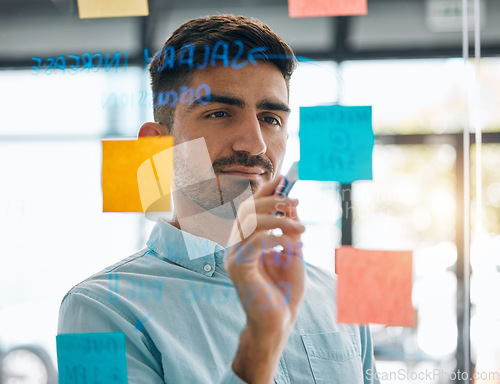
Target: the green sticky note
(92, 358)
(336, 143)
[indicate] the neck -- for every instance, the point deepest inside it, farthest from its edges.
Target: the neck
(215, 224)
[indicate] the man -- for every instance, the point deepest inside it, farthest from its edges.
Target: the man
(241, 314)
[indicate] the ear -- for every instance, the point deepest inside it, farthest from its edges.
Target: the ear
(153, 129)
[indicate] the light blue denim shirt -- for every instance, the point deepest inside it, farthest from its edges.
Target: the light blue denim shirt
(182, 318)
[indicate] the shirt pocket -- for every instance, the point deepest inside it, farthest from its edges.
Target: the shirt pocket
(334, 358)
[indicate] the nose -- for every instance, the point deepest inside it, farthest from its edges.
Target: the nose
(248, 137)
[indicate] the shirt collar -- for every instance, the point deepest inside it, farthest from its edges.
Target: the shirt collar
(192, 252)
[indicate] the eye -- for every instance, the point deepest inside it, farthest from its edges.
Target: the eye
(218, 114)
(271, 120)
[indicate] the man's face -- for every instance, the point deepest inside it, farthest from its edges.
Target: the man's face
(243, 124)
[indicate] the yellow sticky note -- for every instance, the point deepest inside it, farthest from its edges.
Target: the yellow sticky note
(374, 286)
(137, 174)
(92, 9)
(318, 8)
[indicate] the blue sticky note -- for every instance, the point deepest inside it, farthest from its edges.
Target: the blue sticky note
(336, 143)
(91, 358)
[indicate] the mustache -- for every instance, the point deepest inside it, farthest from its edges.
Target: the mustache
(242, 158)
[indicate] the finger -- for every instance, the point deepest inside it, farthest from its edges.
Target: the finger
(275, 203)
(268, 188)
(291, 212)
(258, 246)
(281, 248)
(275, 262)
(267, 204)
(247, 224)
(265, 222)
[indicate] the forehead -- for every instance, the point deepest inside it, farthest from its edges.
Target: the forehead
(252, 83)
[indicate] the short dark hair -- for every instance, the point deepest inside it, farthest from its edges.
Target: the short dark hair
(238, 33)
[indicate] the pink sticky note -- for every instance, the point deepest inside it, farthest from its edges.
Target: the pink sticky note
(374, 286)
(317, 8)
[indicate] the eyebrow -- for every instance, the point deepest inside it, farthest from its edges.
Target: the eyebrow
(234, 101)
(273, 106)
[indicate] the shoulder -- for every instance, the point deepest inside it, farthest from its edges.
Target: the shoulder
(116, 295)
(143, 267)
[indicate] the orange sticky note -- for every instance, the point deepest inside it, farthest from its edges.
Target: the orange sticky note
(92, 9)
(318, 8)
(137, 174)
(374, 286)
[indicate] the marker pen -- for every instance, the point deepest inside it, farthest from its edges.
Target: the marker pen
(286, 185)
(289, 180)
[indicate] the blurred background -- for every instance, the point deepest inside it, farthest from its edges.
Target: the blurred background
(403, 58)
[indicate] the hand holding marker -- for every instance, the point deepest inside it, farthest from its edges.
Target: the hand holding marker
(285, 186)
(283, 189)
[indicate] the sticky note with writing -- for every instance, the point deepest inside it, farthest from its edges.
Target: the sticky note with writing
(315, 8)
(336, 143)
(91, 358)
(137, 174)
(374, 286)
(92, 9)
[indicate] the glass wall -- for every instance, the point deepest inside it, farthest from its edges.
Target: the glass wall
(54, 233)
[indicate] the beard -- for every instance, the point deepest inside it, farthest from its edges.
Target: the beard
(208, 188)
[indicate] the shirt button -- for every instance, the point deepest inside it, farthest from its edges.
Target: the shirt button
(207, 267)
